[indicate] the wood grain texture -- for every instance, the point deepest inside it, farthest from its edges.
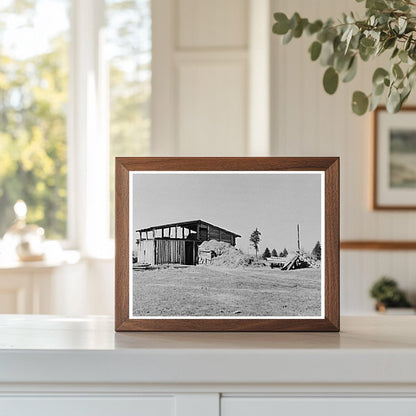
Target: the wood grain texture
(121, 244)
(376, 204)
(378, 245)
(329, 165)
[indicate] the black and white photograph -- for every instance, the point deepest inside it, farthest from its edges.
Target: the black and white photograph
(226, 244)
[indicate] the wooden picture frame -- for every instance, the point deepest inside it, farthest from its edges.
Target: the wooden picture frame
(394, 184)
(130, 181)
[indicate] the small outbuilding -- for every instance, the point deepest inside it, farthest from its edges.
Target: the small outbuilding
(177, 243)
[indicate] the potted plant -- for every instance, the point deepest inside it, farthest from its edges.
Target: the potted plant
(387, 294)
(389, 27)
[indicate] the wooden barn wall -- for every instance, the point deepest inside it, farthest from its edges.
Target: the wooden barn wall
(170, 251)
(306, 121)
(146, 251)
(215, 233)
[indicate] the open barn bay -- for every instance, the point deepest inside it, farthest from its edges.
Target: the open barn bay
(218, 291)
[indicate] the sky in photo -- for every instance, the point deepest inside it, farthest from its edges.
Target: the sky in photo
(239, 202)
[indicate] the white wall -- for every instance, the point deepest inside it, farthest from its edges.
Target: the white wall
(200, 77)
(308, 122)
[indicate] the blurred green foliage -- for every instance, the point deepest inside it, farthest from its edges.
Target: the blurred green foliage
(33, 97)
(33, 109)
(387, 292)
(389, 27)
(129, 34)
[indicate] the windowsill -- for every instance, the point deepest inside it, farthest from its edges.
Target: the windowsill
(56, 256)
(64, 257)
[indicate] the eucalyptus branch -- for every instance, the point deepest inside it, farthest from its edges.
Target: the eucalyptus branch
(388, 25)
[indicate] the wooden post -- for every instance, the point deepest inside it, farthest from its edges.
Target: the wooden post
(176, 232)
(298, 237)
(153, 232)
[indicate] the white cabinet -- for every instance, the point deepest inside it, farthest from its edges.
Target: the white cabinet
(269, 406)
(87, 406)
(50, 365)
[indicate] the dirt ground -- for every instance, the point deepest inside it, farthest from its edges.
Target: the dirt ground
(217, 291)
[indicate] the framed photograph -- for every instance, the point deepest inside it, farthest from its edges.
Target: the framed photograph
(394, 159)
(227, 244)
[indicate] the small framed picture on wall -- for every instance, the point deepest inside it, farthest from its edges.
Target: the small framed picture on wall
(227, 244)
(394, 178)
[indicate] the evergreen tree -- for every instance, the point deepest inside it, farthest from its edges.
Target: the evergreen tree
(266, 253)
(316, 252)
(255, 240)
(284, 253)
(274, 253)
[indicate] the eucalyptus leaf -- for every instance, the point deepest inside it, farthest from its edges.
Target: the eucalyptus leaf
(288, 37)
(395, 52)
(411, 78)
(366, 53)
(397, 71)
(367, 42)
(379, 75)
(281, 27)
(376, 4)
(327, 54)
(404, 96)
(378, 89)
(389, 43)
(408, 42)
(402, 22)
(314, 27)
(315, 50)
(350, 73)
(393, 101)
(294, 20)
(359, 103)
(412, 52)
(298, 30)
(400, 5)
(322, 35)
(374, 102)
(403, 56)
(412, 70)
(330, 80)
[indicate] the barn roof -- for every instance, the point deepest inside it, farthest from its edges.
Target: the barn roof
(190, 224)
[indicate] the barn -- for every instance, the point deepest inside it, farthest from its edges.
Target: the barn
(177, 243)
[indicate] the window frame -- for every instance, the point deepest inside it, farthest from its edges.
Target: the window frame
(87, 133)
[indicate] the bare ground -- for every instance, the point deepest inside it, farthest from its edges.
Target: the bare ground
(218, 291)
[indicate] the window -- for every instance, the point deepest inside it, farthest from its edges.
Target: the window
(33, 97)
(129, 46)
(75, 87)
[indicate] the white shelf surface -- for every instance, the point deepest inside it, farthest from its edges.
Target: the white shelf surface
(53, 349)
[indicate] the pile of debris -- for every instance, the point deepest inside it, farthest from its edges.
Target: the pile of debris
(219, 253)
(297, 260)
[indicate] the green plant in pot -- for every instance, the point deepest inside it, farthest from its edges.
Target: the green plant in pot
(387, 294)
(389, 27)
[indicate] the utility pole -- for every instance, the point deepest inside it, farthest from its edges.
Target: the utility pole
(298, 237)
